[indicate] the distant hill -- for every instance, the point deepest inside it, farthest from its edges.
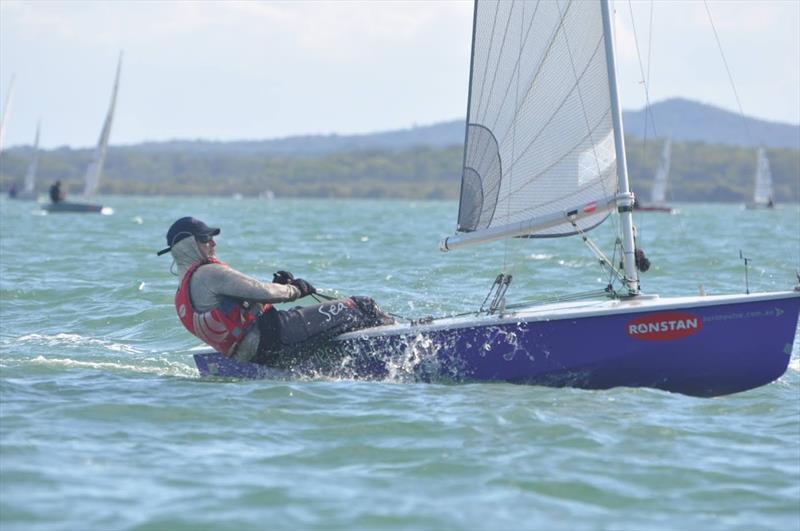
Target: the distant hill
(690, 121)
(684, 120)
(438, 135)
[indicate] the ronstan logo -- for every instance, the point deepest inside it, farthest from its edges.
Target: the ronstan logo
(664, 326)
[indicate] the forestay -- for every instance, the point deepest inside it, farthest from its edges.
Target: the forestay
(540, 140)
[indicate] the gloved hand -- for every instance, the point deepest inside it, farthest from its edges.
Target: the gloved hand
(282, 277)
(304, 287)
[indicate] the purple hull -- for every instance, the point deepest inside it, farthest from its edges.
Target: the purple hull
(702, 346)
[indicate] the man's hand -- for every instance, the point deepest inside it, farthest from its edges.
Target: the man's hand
(304, 287)
(282, 277)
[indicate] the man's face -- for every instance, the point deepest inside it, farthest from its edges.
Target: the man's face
(206, 244)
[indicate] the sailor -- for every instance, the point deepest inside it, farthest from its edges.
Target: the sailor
(233, 312)
(56, 194)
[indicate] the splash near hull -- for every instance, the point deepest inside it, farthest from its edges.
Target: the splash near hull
(700, 346)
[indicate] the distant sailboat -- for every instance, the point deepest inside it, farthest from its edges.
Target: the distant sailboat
(95, 169)
(29, 190)
(762, 192)
(658, 194)
(6, 108)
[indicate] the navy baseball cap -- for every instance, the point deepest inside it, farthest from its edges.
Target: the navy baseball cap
(185, 227)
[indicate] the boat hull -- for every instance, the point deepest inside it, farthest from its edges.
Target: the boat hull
(759, 206)
(24, 196)
(701, 346)
(72, 207)
(653, 208)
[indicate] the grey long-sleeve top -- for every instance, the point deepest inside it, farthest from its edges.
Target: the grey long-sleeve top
(212, 283)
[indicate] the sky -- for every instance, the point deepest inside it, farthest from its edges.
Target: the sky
(246, 70)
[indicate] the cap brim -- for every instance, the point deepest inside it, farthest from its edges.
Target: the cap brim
(163, 251)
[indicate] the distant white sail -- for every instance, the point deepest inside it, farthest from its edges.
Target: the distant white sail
(30, 175)
(762, 195)
(6, 108)
(95, 169)
(540, 132)
(658, 194)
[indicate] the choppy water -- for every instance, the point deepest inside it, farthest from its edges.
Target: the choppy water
(104, 423)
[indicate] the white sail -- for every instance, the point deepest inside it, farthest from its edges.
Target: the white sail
(658, 194)
(30, 175)
(540, 138)
(95, 169)
(6, 108)
(544, 154)
(762, 195)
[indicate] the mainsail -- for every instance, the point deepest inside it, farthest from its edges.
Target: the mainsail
(540, 132)
(30, 175)
(762, 195)
(95, 169)
(658, 194)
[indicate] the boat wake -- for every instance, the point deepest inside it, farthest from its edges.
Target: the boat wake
(73, 340)
(153, 366)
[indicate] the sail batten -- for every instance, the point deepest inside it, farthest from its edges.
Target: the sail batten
(539, 133)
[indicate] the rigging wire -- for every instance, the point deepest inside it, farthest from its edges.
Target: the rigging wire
(645, 80)
(730, 76)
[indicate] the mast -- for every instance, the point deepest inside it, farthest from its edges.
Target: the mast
(469, 94)
(624, 197)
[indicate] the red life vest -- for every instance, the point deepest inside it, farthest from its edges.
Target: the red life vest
(221, 328)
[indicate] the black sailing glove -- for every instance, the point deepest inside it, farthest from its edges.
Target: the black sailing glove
(282, 277)
(304, 287)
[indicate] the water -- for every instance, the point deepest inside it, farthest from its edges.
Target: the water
(104, 423)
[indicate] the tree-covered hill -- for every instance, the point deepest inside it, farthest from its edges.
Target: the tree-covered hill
(700, 172)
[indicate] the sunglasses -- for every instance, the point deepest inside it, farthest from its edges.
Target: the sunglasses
(204, 238)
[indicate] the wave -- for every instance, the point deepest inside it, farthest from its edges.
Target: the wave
(62, 339)
(150, 365)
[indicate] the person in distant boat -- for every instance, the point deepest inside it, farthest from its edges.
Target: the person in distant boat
(12, 192)
(56, 193)
(234, 313)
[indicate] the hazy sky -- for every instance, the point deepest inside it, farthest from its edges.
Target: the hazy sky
(254, 70)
